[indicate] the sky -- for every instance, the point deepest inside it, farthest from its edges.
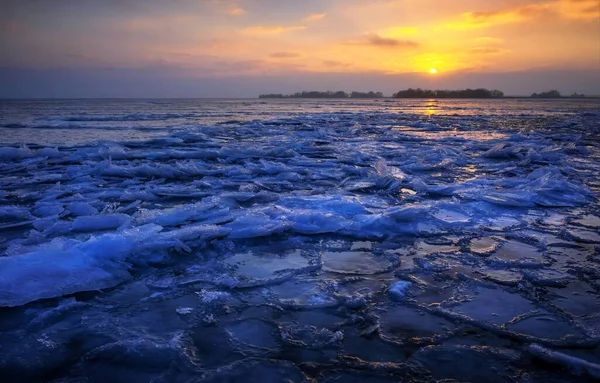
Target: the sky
(222, 48)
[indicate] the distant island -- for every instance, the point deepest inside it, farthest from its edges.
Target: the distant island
(327, 94)
(408, 93)
(555, 94)
(465, 93)
(418, 93)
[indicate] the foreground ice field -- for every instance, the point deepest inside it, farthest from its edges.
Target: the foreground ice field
(335, 241)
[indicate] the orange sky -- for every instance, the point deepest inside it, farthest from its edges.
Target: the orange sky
(220, 38)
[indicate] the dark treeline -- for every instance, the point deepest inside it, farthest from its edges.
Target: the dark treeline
(416, 93)
(555, 94)
(328, 94)
(465, 93)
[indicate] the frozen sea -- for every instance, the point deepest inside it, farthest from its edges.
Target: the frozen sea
(299, 240)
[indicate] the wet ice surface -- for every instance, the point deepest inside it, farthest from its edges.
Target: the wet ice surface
(369, 241)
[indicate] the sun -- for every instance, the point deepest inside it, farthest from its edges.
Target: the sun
(433, 71)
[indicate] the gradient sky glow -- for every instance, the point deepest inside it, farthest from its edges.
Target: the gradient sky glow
(221, 48)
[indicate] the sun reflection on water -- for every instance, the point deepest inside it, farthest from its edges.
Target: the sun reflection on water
(430, 108)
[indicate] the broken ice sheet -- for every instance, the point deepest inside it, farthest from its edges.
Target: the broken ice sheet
(355, 262)
(251, 268)
(493, 305)
(320, 218)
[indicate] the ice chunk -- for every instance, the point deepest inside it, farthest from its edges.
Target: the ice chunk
(509, 198)
(589, 220)
(47, 209)
(49, 152)
(544, 325)
(207, 296)
(257, 225)
(253, 269)
(384, 170)
(501, 151)
(81, 209)
(314, 222)
(12, 154)
(503, 277)
(184, 310)
(180, 215)
(484, 245)
(451, 216)
(66, 267)
(307, 293)
(494, 305)
(355, 262)
(513, 250)
(183, 239)
(548, 277)
(556, 191)
(14, 213)
(565, 360)
(99, 222)
(346, 207)
(404, 323)
(584, 236)
(399, 289)
(254, 332)
(310, 337)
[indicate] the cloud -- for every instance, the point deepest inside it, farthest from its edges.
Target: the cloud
(336, 64)
(284, 55)
(236, 11)
(488, 50)
(471, 20)
(373, 39)
(579, 9)
(274, 30)
(314, 17)
(569, 9)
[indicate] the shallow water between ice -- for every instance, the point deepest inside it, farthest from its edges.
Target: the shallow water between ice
(337, 242)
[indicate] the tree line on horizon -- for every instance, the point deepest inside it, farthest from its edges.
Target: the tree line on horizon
(555, 94)
(415, 93)
(464, 93)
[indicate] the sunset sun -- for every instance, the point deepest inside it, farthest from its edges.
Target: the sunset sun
(433, 71)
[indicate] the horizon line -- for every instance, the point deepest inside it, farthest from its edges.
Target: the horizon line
(294, 98)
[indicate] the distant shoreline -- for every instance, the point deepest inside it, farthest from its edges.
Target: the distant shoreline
(596, 97)
(418, 93)
(429, 98)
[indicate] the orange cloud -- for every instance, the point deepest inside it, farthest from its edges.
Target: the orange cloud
(373, 39)
(284, 55)
(275, 30)
(237, 11)
(488, 50)
(471, 20)
(570, 9)
(314, 17)
(336, 64)
(579, 9)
